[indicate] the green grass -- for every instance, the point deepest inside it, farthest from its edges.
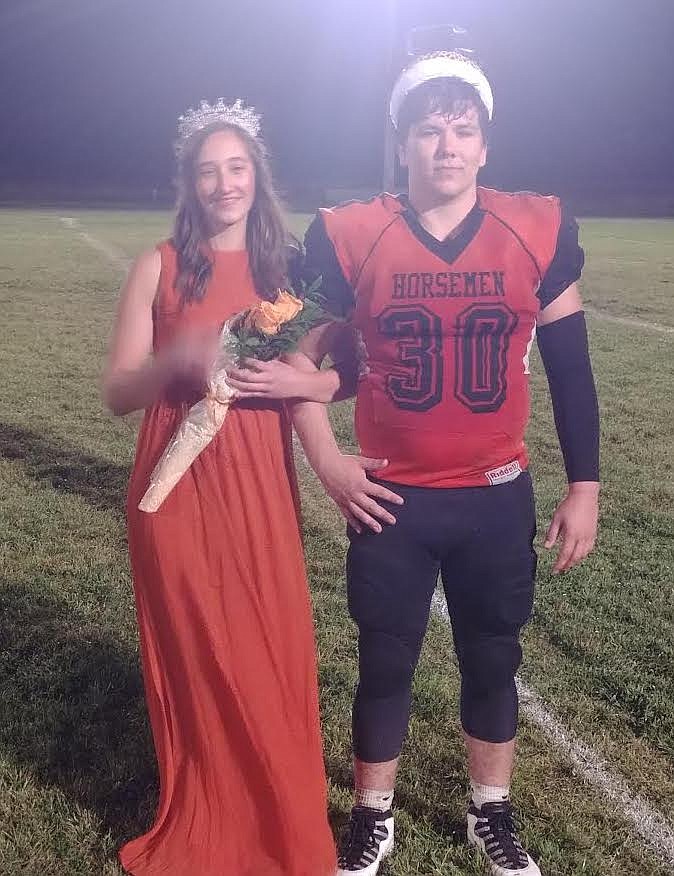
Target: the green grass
(132, 232)
(77, 774)
(630, 269)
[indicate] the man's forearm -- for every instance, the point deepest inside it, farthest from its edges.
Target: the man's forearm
(336, 383)
(564, 350)
(313, 428)
(310, 418)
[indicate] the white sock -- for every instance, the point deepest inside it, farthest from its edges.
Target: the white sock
(488, 793)
(380, 800)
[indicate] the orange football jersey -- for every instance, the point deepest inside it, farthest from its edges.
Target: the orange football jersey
(446, 330)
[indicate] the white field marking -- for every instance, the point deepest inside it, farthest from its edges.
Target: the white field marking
(653, 828)
(632, 323)
(656, 832)
(119, 260)
(115, 256)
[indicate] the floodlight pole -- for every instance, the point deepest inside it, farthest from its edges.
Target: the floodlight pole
(391, 25)
(442, 37)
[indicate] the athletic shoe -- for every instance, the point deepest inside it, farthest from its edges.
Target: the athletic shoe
(492, 828)
(367, 840)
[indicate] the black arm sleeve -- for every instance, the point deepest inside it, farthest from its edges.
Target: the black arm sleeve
(567, 263)
(564, 350)
(321, 260)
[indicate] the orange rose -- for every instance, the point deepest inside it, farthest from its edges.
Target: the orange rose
(268, 316)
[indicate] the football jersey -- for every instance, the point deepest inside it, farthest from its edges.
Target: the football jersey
(445, 327)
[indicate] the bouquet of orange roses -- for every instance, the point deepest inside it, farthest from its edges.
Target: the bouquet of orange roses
(265, 331)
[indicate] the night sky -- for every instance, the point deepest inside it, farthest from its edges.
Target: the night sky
(90, 89)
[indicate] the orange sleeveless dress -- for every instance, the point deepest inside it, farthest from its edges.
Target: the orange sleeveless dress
(226, 633)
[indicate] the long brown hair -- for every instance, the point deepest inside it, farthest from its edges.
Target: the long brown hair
(266, 235)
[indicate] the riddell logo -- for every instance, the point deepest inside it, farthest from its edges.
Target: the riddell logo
(505, 473)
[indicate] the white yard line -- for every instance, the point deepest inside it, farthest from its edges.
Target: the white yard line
(115, 256)
(632, 323)
(655, 831)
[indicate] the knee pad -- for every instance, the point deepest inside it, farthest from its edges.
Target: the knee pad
(387, 665)
(489, 664)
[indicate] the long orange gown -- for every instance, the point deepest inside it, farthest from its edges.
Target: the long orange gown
(226, 634)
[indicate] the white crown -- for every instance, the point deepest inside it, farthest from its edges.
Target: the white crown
(440, 65)
(237, 114)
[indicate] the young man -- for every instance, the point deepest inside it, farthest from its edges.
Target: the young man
(446, 290)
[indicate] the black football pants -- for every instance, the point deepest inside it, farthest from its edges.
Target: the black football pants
(480, 540)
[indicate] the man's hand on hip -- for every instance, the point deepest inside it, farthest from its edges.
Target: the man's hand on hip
(345, 480)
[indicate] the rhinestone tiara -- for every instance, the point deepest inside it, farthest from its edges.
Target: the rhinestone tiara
(195, 120)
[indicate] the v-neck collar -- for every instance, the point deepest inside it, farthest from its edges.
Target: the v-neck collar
(451, 247)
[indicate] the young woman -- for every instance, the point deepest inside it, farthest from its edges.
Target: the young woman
(221, 592)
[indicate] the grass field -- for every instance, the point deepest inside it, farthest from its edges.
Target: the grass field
(77, 775)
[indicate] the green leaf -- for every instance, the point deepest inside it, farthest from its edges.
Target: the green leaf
(318, 282)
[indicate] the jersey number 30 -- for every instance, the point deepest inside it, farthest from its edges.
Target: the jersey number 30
(482, 333)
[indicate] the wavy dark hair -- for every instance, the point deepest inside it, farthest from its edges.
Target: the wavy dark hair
(266, 235)
(447, 95)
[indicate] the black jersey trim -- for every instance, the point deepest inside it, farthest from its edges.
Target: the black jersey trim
(566, 266)
(451, 247)
(372, 249)
(519, 240)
